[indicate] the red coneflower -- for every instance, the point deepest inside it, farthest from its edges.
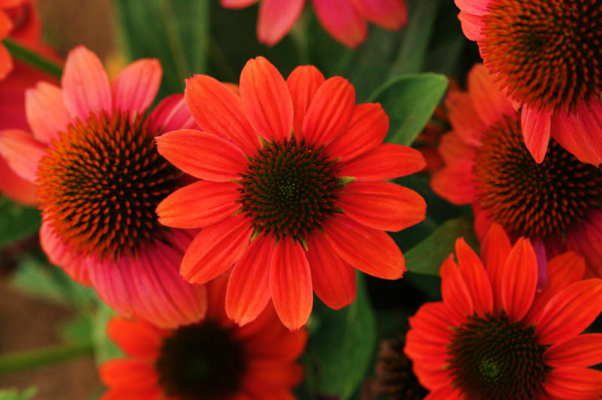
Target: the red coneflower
(213, 359)
(555, 203)
(292, 190)
(345, 20)
(93, 158)
(494, 336)
(547, 56)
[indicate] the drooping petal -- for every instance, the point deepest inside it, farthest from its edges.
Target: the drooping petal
(199, 205)
(135, 338)
(580, 351)
(489, 102)
(333, 279)
(216, 249)
(495, 250)
(569, 312)
(382, 205)
(85, 84)
(330, 111)
(369, 250)
(46, 112)
(464, 118)
(454, 291)
(342, 20)
(536, 126)
(135, 88)
(387, 161)
(290, 281)
(276, 18)
(62, 256)
(566, 130)
(388, 14)
(171, 114)
(366, 131)
(266, 100)
(574, 383)
(219, 110)
(589, 115)
(303, 84)
(22, 152)
(519, 280)
(455, 183)
(472, 25)
(475, 277)
(249, 285)
(202, 155)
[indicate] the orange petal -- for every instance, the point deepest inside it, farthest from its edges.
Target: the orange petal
(519, 280)
(574, 383)
(454, 291)
(136, 338)
(22, 152)
(464, 118)
(580, 351)
(567, 131)
(432, 322)
(589, 115)
(453, 149)
(46, 112)
(456, 183)
(495, 250)
(303, 84)
(536, 126)
(128, 374)
(475, 277)
(489, 102)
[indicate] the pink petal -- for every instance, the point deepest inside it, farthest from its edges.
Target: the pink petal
(388, 14)
(276, 18)
(46, 112)
(476, 7)
(290, 280)
(216, 249)
(333, 279)
(342, 20)
(171, 114)
(382, 205)
(589, 115)
(202, 155)
(387, 161)
(266, 100)
(456, 183)
(16, 188)
(22, 152)
(472, 26)
(489, 102)
(237, 3)
(519, 280)
(566, 130)
(62, 256)
(366, 131)
(369, 250)
(249, 285)
(217, 109)
(580, 351)
(85, 84)
(475, 277)
(303, 84)
(135, 88)
(330, 111)
(199, 205)
(570, 312)
(536, 125)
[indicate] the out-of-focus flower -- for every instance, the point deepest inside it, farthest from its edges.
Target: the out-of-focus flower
(555, 203)
(212, 359)
(345, 20)
(293, 193)
(494, 336)
(547, 58)
(93, 158)
(19, 20)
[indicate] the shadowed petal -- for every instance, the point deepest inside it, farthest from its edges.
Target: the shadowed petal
(388, 14)
(342, 20)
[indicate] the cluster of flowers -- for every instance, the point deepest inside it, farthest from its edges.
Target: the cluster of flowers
(209, 223)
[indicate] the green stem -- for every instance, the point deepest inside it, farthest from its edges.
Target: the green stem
(15, 362)
(33, 59)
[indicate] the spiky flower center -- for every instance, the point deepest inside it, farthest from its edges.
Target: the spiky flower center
(289, 189)
(547, 53)
(496, 358)
(100, 183)
(201, 362)
(527, 198)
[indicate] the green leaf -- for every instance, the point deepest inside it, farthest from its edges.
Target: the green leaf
(105, 349)
(14, 394)
(410, 101)
(17, 222)
(341, 346)
(426, 257)
(175, 32)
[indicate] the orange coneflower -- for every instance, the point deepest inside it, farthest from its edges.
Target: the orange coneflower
(93, 158)
(213, 359)
(345, 20)
(292, 190)
(494, 336)
(555, 203)
(547, 57)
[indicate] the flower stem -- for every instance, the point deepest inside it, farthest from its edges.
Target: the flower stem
(15, 362)
(33, 59)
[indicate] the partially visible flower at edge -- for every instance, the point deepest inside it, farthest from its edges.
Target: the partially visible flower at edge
(345, 20)
(494, 336)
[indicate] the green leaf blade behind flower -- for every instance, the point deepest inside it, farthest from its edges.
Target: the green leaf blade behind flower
(409, 101)
(17, 222)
